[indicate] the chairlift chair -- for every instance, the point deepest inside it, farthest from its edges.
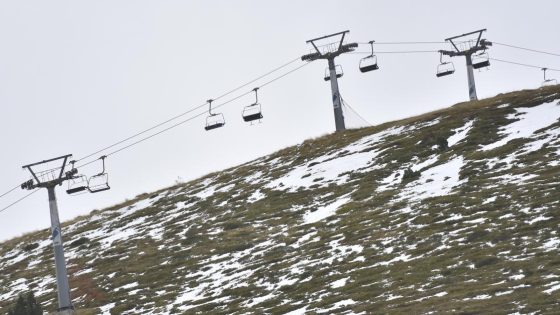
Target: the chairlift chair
(369, 63)
(339, 72)
(444, 68)
(480, 60)
(99, 182)
(253, 112)
(548, 82)
(76, 183)
(214, 121)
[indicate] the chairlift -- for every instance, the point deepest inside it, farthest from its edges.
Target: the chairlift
(480, 60)
(445, 67)
(214, 121)
(76, 183)
(99, 182)
(547, 82)
(339, 72)
(369, 63)
(253, 112)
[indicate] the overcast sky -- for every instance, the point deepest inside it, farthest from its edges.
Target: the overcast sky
(76, 76)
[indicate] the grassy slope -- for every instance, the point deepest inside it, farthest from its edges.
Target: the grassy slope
(254, 244)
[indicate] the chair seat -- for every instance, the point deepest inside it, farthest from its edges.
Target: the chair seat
(252, 117)
(214, 126)
(369, 68)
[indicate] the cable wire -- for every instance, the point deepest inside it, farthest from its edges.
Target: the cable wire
(186, 112)
(523, 64)
(195, 116)
(395, 52)
(528, 49)
(402, 43)
(18, 201)
(344, 103)
(162, 131)
(9, 191)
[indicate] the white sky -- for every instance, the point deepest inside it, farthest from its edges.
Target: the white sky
(76, 76)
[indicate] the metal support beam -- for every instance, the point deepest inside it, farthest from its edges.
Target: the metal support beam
(329, 56)
(64, 301)
(337, 104)
(481, 45)
(470, 74)
(65, 306)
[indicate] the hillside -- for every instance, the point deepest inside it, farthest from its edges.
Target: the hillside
(454, 211)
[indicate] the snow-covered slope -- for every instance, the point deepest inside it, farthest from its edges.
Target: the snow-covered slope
(455, 211)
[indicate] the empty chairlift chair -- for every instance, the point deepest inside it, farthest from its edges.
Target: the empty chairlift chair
(480, 60)
(99, 182)
(77, 184)
(339, 72)
(548, 82)
(253, 112)
(214, 121)
(369, 63)
(444, 68)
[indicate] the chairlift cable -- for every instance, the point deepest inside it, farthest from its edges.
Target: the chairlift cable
(19, 200)
(528, 49)
(9, 191)
(523, 64)
(403, 43)
(185, 113)
(195, 116)
(395, 52)
(171, 119)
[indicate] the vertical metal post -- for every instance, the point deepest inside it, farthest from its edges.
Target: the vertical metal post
(470, 73)
(64, 302)
(337, 105)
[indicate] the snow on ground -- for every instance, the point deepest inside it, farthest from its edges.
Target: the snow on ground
(530, 120)
(553, 287)
(436, 181)
(339, 283)
(551, 244)
(326, 211)
(106, 309)
(256, 196)
(299, 311)
(460, 133)
(323, 169)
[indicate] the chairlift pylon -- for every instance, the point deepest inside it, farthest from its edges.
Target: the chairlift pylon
(99, 182)
(444, 68)
(214, 121)
(369, 63)
(480, 60)
(253, 112)
(338, 70)
(76, 183)
(547, 82)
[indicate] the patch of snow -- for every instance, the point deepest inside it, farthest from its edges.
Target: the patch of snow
(299, 311)
(256, 196)
(517, 277)
(538, 219)
(530, 120)
(460, 133)
(553, 287)
(339, 283)
(551, 244)
(106, 309)
(324, 212)
(127, 286)
(436, 181)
